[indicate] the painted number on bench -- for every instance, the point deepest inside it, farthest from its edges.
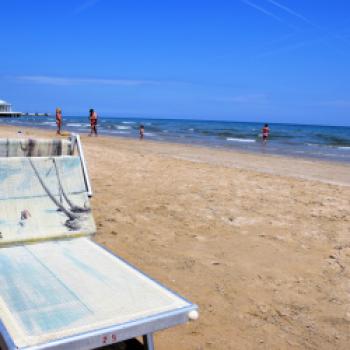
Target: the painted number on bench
(108, 339)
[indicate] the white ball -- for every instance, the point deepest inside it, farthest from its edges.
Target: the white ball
(193, 315)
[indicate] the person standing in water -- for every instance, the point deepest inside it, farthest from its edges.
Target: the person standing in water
(265, 133)
(142, 131)
(58, 120)
(93, 122)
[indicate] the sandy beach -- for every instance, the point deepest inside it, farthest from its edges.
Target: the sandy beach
(260, 242)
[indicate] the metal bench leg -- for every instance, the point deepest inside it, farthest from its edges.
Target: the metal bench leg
(148, 341)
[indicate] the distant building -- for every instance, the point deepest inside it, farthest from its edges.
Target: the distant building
(4, 106)
(6, 110)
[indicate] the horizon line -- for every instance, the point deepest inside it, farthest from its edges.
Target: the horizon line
(108, 115)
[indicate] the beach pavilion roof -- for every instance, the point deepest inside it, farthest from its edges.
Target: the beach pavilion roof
(6, 108)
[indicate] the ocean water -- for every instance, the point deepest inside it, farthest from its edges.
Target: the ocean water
(315, 141)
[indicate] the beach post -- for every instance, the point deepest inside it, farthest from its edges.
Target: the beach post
(148, 341)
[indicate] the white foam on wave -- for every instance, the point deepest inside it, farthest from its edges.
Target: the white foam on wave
(344, 148)
(122, 127)
(128, 122)
(119, 132)
(239, 140)
(149, 134)
(74, 124)
(48, 123)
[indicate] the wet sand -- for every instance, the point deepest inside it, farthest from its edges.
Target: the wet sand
(261, 243)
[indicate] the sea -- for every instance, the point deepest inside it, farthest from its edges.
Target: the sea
(308, 141)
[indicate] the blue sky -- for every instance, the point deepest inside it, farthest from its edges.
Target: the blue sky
(244, 60)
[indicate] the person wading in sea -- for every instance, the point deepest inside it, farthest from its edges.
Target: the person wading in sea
(142, 131)
(265, 133)
(58, 120)
(93, 122)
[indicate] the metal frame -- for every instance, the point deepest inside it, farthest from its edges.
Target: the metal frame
(77, 142)
(6, 341)
(148, 341)
(144, 327)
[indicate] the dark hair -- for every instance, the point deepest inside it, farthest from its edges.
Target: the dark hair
(91, 110)
(266, 125)
(141, 126)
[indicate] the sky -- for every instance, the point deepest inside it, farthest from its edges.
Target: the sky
(240, 60)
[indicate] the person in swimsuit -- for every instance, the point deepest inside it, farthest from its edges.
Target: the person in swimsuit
(265, 132)
(59, 120)
(142, 131)
(93, 122)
